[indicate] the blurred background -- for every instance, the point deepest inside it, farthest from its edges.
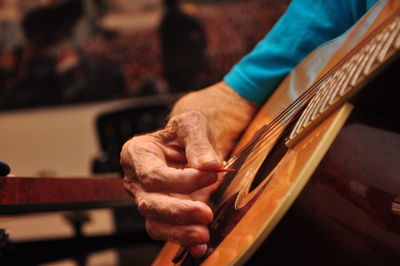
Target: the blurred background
(79, 77)
(56, 52)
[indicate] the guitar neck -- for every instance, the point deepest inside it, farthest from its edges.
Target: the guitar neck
(346, 79)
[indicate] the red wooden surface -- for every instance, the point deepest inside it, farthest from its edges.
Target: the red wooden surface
(20, 190)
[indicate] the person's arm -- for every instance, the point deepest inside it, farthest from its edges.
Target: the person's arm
(203, 127)
(205, 124)
(305, 25)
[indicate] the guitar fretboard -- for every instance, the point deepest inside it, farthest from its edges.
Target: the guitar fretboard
(347, 79)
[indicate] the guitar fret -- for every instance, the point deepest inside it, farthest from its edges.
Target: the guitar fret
(368, 67)
(338, 76)
(343, 76)
(340, 83)
(297, 127)
(324, 104)
(357, 76)
(315, 101)
(352, 70)
(318, 99)
(395, 28)
(397, 42)
(358, 60)
(324, 98)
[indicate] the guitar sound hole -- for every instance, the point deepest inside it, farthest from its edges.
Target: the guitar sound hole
(275, 156)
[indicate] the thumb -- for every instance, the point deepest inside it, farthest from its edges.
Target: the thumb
(194, 132)
(202, 156)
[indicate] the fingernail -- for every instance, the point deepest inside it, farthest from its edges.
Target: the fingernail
(198, 250)
(207, 160)
(202, 249)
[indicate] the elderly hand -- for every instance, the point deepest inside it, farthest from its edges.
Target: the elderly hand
(173, 200)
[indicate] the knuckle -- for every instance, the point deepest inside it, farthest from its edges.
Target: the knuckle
(197, 208)
(150, 183)
(129, 186)
(125, 159)
(175, 216)
(195, 113)
(138, 167)
(191, 113)
(173, 236)
(192, 117)
(168, 133)
(126, 155)
(202, 150)
(144, 207)
(152, 230)
(128, 145)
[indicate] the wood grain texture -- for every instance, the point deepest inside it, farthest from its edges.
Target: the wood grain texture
(19, 194)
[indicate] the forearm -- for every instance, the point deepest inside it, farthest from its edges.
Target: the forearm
(227, 112)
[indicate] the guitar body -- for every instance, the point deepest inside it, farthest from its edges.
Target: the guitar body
(347, 212)
(344, 169)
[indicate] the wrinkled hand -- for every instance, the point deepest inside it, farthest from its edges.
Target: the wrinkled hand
(172, 200)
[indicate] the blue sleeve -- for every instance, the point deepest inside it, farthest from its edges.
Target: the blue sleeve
(305, 25)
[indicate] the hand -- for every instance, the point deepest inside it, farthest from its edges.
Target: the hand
(173, 200)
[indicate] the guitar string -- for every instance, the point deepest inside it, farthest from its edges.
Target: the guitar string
(268, 136)
(291, 109)
(263, 132)
(265, 143)
(325, 79)
(274, 124)
(282, 118)
(269, 133)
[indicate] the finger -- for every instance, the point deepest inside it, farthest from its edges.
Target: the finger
(174, 153)
(205, 193)
(193, 132)
(155, 176)
(171, 210)
(144, 161)
(200, 153)
(186, 235)
(172, 180)
(198, 251)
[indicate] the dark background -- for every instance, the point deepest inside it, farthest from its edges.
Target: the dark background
(60, 52)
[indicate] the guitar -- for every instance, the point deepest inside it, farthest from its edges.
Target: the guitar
(317, 144)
